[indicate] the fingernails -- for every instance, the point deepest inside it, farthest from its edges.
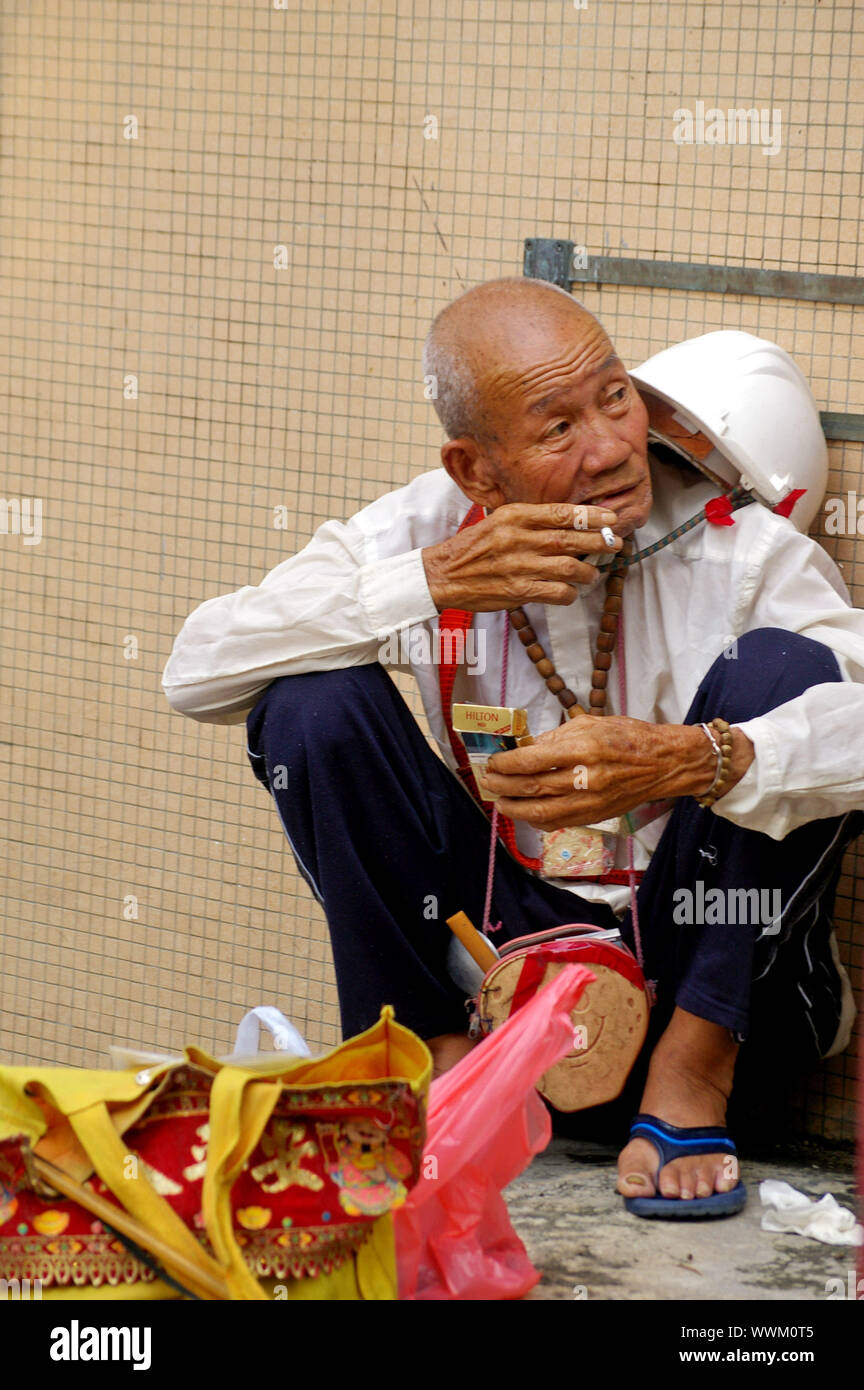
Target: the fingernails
(580, 518)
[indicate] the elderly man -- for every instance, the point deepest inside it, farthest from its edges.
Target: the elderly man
(546, 432)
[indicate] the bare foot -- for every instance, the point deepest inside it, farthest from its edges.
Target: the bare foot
(689, 1083)
(448, 1049)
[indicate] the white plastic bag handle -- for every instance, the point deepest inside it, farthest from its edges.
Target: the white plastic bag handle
(285, 1035)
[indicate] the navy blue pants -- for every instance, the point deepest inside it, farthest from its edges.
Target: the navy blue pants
(391, 845)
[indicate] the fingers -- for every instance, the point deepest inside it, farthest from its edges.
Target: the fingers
(561, 515)
(561, 527)
(522, 553)
(552, 569)
(547, 541)
(558, 594)
(529, 574)
(547, 580)
(558, 783)
(543, 756)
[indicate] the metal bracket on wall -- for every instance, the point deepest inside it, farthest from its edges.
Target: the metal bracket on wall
(565, 264)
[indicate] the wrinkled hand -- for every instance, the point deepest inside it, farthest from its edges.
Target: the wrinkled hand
(591, 769)
(523, 553)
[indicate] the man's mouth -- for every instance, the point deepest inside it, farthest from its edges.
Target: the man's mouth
(613, 499)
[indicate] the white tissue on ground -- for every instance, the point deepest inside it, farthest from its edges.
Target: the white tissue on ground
(791, 1211)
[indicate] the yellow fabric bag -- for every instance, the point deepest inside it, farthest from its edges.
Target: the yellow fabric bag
(326, 1147)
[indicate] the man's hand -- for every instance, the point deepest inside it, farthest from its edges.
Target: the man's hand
(591, 769)
(523, 553)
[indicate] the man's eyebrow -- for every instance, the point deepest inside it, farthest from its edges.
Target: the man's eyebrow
(613, 360)
(539, 407)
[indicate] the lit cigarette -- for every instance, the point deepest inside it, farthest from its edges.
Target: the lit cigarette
(608, 535)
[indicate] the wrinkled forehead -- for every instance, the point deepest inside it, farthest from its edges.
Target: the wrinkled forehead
(529, 368)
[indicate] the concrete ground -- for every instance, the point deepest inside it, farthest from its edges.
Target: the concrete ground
(585, 1244)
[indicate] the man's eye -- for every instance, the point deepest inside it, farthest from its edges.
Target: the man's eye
(618, 395)
(560, 428)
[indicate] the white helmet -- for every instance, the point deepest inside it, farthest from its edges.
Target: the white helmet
(747, 397)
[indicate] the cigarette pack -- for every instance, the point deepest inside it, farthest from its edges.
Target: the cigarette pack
(489, 729)
(490, 719)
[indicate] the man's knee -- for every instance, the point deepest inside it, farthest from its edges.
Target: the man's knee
(317, 714)
(793, 651)
(765, 668)
(322, 693)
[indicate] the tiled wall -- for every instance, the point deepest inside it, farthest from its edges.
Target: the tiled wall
(165, 386)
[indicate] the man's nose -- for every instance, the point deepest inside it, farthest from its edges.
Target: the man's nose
(605, 447)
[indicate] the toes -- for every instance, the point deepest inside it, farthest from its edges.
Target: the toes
(729, 1175)
(699, 1177)
(704, 1182)
(635, 1185)
(675, 1181)
(682, 1179)
(688, 1178)
(636, 1167)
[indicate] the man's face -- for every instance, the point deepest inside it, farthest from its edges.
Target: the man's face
(569, 424)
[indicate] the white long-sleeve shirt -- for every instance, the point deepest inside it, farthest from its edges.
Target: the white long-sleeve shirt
(359, 589)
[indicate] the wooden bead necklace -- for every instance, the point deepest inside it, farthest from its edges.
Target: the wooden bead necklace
(606, 639)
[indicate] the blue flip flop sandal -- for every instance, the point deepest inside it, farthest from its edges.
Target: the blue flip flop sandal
(670, 1141)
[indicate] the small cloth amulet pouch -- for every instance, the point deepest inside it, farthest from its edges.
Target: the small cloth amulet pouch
(610, 1020)
(578, 851)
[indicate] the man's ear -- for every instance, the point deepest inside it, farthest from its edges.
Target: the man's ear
(472, 472)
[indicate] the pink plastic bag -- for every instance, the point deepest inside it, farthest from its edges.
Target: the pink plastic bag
(485, 1123)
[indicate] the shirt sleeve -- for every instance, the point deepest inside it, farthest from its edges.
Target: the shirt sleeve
(328, 607)
(808, 763)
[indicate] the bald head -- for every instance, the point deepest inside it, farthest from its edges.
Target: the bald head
(483, 336)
